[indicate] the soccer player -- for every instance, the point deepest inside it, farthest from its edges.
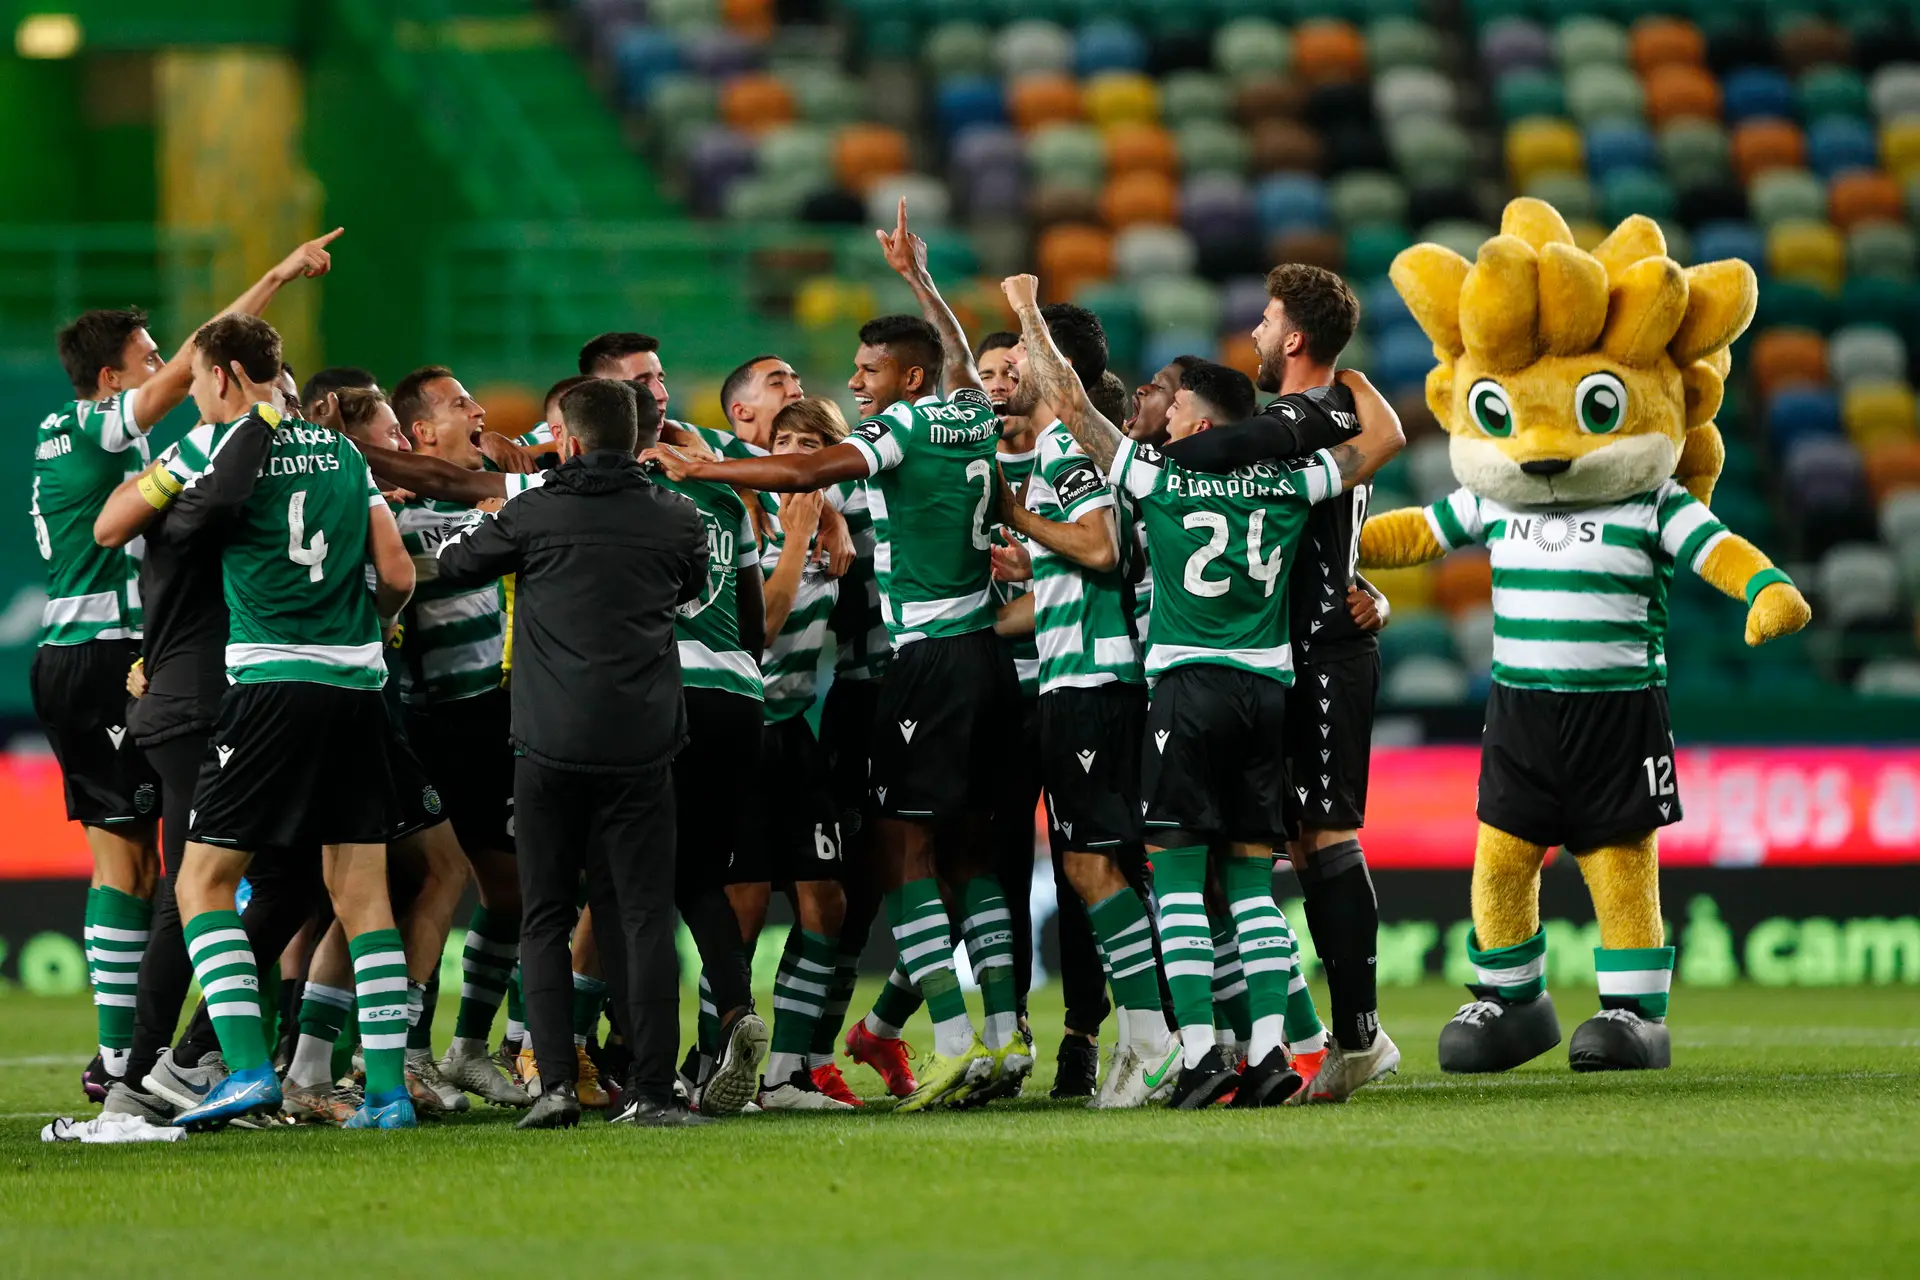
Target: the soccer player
(299, 752)
(793, 835)
(1310, 317)
(951, 688)
(1212, 762)
(459, 721)
(91, 627)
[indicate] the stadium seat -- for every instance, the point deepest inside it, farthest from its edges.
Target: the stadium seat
(1252, 46)
(1291, 201)
(1658, 41)
(1132, 148)
(1243, 301)
(719, 53)
(1811, 252)
(1763, 144)
(1464, 580)
(1794, 305)
(1425, 680)
(1711, 200)
(1043, 99)
(926, 195)
(1069, 154)
(642, 55)
(1900, 147)
(1032, 47)
(1408, 92)
(1865, 353)
(1781, 195)
(1837, 144)
(1472, 632)
(1266, 97)
(1108, 44)
(1806, 41)
(1625, 192)
(1736, 44)
(1364, 197)
(1864, 196)
(1833, 91)
(1170, 302)
(1329, 49)
(1147, 252)
(796, 153)
(993, 195)
(1888, 677)
(1859, 582)
(1881, 249)
(1542, 146)
(1798, 414)
(1875, 300)
(1071, 256)
(1899, 517)
(1895, 91)
(1681, 92)
(1570, 193)
(1529, 91)
(1394, 42)
(1619, 144)
(1716, 241)
(1510, 44)
(1694, 150)
(1284, 146)
(1430, 468)
(1461, 235)
(864, 152)
(1195, 95)
(962, 103)
(1431, 152)
(718, 157)
(1757, 93)
(1216, 207)
(680, 98)
(959, 49)
(1600, 91)
(1052, 203)
(1121, 97)
(1369, 250)
(1211, 146)
(1585, 41)
(1878, 413)
(1316, 248)
(1402, 358)
(1784, 357)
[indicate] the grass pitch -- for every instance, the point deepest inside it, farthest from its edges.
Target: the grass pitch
(1786, 1140)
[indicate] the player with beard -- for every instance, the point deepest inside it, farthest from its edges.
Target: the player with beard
(1310, 316)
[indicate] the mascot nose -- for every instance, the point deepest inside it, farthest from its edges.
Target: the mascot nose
(1546, 466)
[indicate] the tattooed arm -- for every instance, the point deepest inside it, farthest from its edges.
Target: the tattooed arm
(1059, 385)
(1380, 436)
(907, 254)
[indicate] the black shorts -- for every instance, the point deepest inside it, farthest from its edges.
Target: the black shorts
(715, 777)
(467, 749)
(1577, 769)
(1090, 759)
(792, 827)
(80, 695)
(1330, 738)
(945, 712)
(293, 764)
(421, 805)
(846, 739)
(1213, 761)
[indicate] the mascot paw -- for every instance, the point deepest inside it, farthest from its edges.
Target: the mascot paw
(1492, 1034)
(1620, 1040)
(1779, 610)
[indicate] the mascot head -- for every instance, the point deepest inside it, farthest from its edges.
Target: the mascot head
(1568, 376)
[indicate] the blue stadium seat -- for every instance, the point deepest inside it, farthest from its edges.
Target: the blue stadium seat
(642, 55)
(1109, 44)
(1752, 92)
(1619, 144)
(1714, 241)
(1401, 359)
(1838, 143)
(1801, 413)
(968, 101)
(1292, 201)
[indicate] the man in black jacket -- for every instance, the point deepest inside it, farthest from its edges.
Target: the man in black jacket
(604, 557)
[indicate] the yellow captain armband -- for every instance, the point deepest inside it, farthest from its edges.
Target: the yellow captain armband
(267, 413)
(159, 486)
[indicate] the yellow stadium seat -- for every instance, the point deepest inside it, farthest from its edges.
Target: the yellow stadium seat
(1542, 144)
(1878, 413)
(1808, 252)
(1122, 97)
(1900, 147)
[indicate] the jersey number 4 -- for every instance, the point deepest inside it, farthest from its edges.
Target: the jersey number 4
(1264, 569)
(299, 550)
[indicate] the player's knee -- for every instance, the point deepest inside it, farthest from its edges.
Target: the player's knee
(1332, 860)
(1094, 876)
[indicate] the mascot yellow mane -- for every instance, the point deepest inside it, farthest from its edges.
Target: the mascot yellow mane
(1578, 391)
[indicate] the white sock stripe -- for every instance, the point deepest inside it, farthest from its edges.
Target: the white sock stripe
(364, 987)
(487, 946)
(234, 1009)
(796, 984)
(937, 946)
(1118, 955)
(708, 1006)
(1229, 992)
(1137, 926)
(1190, 969)
(395, 1040)
(1183, 900)
(481, 994)
(321, 994)
(219, 938)
(1226, 945)
(1142, 967)
(921, 924)
(213, 973)
(379, 960)
(116, 978)
(1298, 984)
(1278, 964)
(476, 966)
(1515, 976)
(704, 988)
(1255, 907)
(1174, 942)
(1225, 968)
(1635, 982)
(1312, 1044)
(980, 920)
(798, 1006)
(107, 933)
(801, 962)
(113, 1001)
(233, 982)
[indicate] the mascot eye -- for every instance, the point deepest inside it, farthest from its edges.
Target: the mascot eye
(1488, 404)
(1600, 401)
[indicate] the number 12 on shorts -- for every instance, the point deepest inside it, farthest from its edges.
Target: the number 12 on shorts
(1659, 775)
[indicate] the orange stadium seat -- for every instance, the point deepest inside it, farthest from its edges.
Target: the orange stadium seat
(1785, 356)
(755, 102)
(1759, 145)
(1071, 256)
(1145, 195)
(1285, 146)
(1681, 91)
(1238, 352)
(1315, 248)
(1134, 147)
(1045, 97)
(1660, 42)
(1864, 195)
(1810, 42)
(750, 17)
(1893, 465)
(864, 152)
(1327, 50)
(1463, 581)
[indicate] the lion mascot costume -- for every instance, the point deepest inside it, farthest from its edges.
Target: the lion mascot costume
(1579, 391)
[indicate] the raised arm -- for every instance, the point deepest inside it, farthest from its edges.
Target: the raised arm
(907, 254)
(1059, 386)
(1380, 435)
(775, 473)
(1268, 436)
(433, 477)
(167, 388)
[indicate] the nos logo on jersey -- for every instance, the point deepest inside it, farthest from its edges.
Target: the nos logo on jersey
(720, 553)
(1555, 531)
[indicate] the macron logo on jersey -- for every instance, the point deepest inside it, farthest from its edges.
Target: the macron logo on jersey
(224, 753)
(1086, 764)
(907, 727)
(116, 733)
(1160, 737)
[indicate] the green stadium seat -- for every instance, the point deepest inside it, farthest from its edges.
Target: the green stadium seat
(1252, 47)
(1422, 634)
(825, 95)
(1195, 95)
(761, 199)
(1405, 92)
(1629, 191)
(1881, 249)
(684, 15)
(1431, 152)
(1570, 193)
(1402, 42)
(1586, 41)
(1371, 248)
(1866, 353)
(1833, 91)
(1694, 152)
(1600, 91)
(1530, 91)
(1789, 304)
(797, 152)
(1069, 155)
(1367, 197)
(959, 49)
(1212, 146)
(1179, 302)
(676, 98)
(1780, 195)
(1118, 307)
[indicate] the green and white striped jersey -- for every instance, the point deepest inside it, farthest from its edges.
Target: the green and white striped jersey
(454, 638)
(729, 445)
(1221, 545)
(1083, 619)
(791, 666)
(861, 653)
(708, 626)
(1143, 589)
(930, 487)
(1025, 650)
(80, 455)
(1580, 593)
(541, 434)
(295, 565)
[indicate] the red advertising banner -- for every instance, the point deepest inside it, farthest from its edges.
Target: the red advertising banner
(1745, 806)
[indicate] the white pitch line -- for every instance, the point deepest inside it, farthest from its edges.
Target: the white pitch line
(42, 1060)
(28, 1115)
(1567, 1081)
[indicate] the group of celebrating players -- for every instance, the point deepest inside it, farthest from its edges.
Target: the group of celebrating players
(259, 671)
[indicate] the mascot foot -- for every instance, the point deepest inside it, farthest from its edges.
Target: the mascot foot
(1492, 1034)
(1619, 1040)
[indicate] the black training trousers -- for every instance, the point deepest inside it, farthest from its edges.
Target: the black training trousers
(165, 970)
(618, 828)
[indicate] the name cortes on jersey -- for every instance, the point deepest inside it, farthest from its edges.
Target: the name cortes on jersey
(80, 455)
